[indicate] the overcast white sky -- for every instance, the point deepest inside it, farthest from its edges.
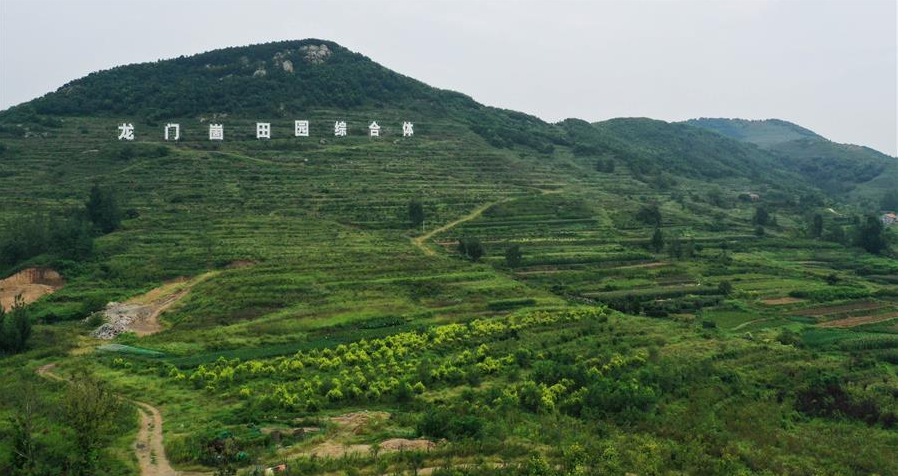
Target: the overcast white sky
(826, 65)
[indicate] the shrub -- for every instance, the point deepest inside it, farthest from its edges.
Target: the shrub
(725, 287)
(443, 423)
(513, 256)
(416, 213)
(470, 247)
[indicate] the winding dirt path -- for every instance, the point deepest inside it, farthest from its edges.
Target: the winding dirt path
(420, 241)
(148, 444)
(754, 321)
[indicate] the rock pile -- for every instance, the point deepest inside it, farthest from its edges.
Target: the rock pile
(119, 317)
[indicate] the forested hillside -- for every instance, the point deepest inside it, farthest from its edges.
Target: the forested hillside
(843, 170)
(493, 294)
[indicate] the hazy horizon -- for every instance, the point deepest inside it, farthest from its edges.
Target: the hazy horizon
(829, 66)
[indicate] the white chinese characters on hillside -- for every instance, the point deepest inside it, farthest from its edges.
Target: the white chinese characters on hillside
(216, 132)
(302, 128)
(172, 131)
(263, 130)
(126, 131)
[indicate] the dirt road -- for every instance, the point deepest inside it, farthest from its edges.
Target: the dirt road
(420, 241)
(148, 444)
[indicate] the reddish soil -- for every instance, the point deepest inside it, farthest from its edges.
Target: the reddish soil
(859, 320)
(828, 310)
(31, 284)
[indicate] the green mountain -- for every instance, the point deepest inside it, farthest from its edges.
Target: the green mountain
(493, 295)
(847, 169)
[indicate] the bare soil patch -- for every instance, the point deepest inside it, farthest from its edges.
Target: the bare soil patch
(654, 264)
(781, 301)
(822, 311)
(355, 421)
(31, 283)
(330, 449)
(404, 444)
(141, 314)
(859, 320)
(241, 263)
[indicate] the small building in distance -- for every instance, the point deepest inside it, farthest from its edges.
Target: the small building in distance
(889, 219)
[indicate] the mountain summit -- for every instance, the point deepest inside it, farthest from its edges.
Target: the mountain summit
(265, 78)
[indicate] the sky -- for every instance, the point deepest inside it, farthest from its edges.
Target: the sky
(828, 65)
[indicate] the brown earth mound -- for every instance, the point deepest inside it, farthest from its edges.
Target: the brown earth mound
(31, 284)
(358, 419)
(859, 320)
(403, 444)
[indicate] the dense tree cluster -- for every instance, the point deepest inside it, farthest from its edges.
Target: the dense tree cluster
(649, 214)
(69, 234)
(15, 328)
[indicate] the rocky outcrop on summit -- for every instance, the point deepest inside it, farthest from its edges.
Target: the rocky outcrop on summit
(315, 54)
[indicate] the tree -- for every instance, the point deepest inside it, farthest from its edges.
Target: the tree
(71, 238)
(657, 242)
(22, 429)
(15, 327)
(890, 200)
(4, 339)
(817, 226)
(474, 249)
(102, 209)
(87, 408)
(715, 197)
(471, 248)
(605, 165)
(725, 287)
(513, 256)
(649, 214)
(870, 235)
(675, 247)
(762, 217)
(416, 213)
(835, 233)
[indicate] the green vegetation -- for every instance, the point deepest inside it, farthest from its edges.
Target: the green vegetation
(15, 328)
(630, 296)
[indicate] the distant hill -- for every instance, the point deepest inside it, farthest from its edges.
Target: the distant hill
(765, 133)
(836, 168)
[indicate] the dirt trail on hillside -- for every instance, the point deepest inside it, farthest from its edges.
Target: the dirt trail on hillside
(141, 314)
(148, 444)
(32, 284)
(420, 241)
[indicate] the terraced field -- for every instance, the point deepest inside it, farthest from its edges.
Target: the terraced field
(723, 346)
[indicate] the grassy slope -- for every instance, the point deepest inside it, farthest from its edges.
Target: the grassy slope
(324, 221)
